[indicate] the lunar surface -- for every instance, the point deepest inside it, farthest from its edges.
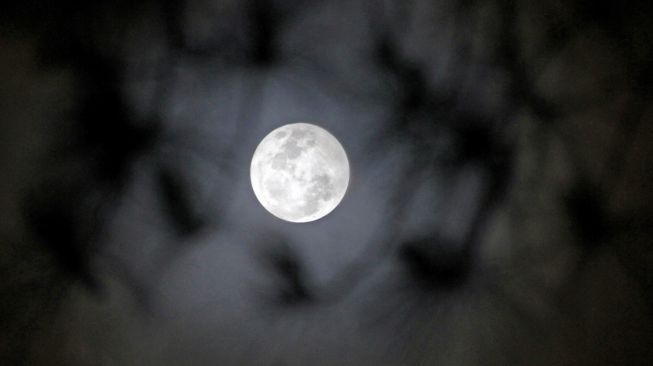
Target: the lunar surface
(299, 172)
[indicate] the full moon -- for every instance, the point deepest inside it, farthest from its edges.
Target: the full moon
(299, 172)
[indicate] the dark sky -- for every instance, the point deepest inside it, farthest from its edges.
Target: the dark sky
(499, 210)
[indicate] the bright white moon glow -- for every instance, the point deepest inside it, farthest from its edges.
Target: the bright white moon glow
(299, 172)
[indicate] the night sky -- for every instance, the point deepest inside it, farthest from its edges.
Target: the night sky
(499, 209)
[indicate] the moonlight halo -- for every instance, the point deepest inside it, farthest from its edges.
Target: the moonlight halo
(299, 172)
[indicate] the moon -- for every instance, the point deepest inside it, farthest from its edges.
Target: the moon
(299, 172)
